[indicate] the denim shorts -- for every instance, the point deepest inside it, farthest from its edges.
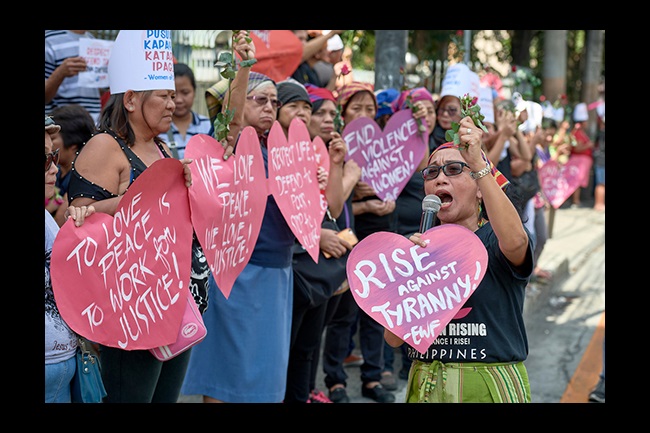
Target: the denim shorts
(599, 175)
(57, 380)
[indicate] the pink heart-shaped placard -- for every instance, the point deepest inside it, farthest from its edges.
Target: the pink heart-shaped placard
(415, 292)
(322, 160)
(228, 200)
(559, 181)
(387, 158)
(321, 153)
(294, 184)
(122, 280)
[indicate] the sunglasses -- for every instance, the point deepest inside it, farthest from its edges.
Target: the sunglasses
(51, 158)
(450, 110)
(262, 100)
(450, 169)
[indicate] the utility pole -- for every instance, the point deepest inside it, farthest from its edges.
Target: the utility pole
(390, 56)
(467, 42)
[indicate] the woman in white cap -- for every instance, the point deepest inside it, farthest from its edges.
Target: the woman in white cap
(139, 109)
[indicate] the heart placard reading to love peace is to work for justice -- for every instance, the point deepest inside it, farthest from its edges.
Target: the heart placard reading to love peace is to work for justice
(387, 158)
(415, 292)
(122, 280)
(228, 200)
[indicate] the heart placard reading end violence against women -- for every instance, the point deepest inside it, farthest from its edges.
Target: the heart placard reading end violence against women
(123, 280)
(412, 291)
(387, 158)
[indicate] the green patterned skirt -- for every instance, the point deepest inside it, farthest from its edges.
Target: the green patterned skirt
(469, 382)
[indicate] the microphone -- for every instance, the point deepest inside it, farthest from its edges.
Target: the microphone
(430, 207)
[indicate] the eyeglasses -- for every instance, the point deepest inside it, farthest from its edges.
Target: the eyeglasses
(450, 110)
(51, 158)
(453, 168)
(262, 100)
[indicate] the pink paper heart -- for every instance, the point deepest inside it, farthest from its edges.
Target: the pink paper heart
(294, 184)
(415, 292)
(559, 181)
(321, 153)
(122, 280)
(387, 158)
(228, 200)
(322, 160)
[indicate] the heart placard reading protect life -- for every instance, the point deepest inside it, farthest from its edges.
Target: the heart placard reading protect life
(228, 200)
(122, 280)
(293, 182)
(412, 291)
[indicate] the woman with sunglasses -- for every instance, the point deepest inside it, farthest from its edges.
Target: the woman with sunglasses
(60, 340)
(488, 365)
(244, 357)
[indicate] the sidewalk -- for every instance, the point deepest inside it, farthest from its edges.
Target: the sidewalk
(574, 234)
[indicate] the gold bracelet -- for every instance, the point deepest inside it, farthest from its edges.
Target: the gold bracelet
(482, 173)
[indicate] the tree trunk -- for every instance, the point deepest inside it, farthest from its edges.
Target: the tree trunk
(592, 74)
(555, 64)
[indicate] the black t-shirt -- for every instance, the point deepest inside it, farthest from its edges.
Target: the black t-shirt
(493, 330)
(368, 223)
(409, 205)
(306, 74)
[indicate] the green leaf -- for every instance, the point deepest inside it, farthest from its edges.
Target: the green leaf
(248, 63)
(449, 135)
(228, 74)
(456, 139)
(225, 57)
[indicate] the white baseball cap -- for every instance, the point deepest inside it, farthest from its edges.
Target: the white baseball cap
(580, 113)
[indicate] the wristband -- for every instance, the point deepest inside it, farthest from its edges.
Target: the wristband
(482, 173)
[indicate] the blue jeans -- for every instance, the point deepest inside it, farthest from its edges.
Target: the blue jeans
(599, 175)
(57, 380)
